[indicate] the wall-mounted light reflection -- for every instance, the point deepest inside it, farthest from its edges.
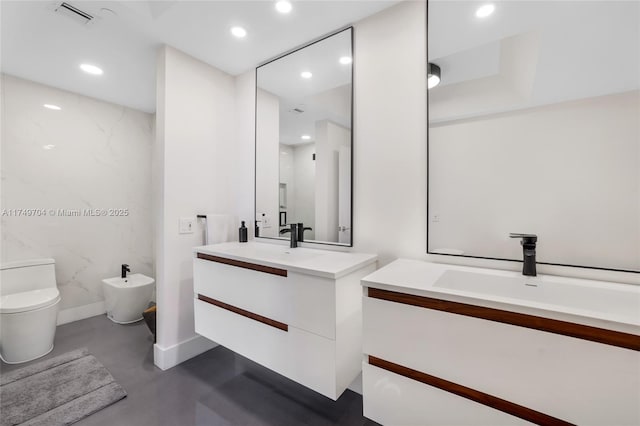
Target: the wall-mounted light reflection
(433, 75)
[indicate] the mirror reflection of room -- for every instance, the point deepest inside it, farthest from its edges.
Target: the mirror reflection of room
(533, 123)
(303, 143)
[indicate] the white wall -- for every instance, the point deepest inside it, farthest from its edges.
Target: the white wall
(568, 172)
(244, 167)
(389, 152)
(196, 173)
(100, 159)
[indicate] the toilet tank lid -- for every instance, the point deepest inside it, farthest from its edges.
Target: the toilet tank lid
(27, 262)
(28, 300)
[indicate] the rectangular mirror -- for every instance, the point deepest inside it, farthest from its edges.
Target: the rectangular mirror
(534, 128)
(304, 142)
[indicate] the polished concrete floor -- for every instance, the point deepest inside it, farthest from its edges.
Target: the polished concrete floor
(215, 388)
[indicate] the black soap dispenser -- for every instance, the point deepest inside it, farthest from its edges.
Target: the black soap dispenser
(242, 233)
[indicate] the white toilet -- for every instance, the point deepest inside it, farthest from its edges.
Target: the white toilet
(29, 301)
(126, 298)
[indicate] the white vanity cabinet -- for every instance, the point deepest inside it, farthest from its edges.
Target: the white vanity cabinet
(438, 355)
(295, 311)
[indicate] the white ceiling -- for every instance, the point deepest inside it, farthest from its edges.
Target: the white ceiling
(531, 53)
(40, 45)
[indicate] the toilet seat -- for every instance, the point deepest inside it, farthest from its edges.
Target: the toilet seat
(28, 300)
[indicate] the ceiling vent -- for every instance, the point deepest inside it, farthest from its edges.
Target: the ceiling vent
(74, 13)
(296, 111)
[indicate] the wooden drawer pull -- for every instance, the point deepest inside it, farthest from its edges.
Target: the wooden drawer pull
(245, 265)
(268, 321)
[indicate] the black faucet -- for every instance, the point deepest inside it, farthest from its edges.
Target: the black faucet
(529, 251)
(294, 235)
(124, 270)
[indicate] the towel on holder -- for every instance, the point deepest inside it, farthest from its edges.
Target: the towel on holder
(221, 228)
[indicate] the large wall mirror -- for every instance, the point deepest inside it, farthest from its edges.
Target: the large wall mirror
(534, 127)
(304, 142)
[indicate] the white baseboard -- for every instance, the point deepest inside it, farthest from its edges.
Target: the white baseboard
(81, 312)
(165, 358)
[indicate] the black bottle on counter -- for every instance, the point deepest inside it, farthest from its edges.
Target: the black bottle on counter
(242, 233)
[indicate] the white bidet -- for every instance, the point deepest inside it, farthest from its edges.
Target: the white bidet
(126, 298)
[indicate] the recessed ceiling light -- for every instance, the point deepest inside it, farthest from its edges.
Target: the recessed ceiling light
(53, 107)
(283, 6)
(306, 74)
(91, 69)
(238, 32)
(48, 146)
(306, 137)
(346, 60)
(485, 10)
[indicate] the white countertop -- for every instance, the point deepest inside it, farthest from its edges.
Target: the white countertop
(607, 305)
(322, 263)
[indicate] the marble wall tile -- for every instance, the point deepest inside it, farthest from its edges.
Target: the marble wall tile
(88, 155)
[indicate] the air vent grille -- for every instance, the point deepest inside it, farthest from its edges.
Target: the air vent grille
(74, 13)
(296, 111)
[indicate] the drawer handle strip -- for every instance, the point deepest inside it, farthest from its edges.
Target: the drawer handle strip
(268, 321)
(241, 264)
(472, 394)
(565, 328)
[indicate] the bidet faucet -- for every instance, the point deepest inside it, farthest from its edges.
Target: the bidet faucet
(124, 269)
(529, 252)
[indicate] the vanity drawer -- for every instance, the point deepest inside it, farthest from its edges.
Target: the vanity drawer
(392, 399)
(531, 368)
(304, 357)
(303, 301)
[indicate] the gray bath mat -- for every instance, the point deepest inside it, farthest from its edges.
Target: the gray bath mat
(58, 391)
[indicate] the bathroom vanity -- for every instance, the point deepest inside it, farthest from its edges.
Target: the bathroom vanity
(448, 344)
(295, 311)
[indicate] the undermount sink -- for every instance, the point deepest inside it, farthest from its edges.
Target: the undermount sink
(272, 251)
